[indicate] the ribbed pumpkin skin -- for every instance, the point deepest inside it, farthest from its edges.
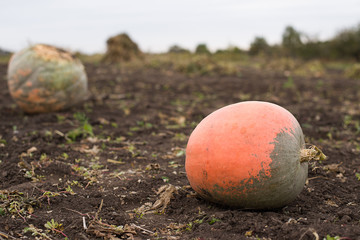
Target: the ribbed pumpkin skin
(43, 78)
(247, 155)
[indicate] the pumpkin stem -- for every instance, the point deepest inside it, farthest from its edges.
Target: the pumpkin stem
(312, 154)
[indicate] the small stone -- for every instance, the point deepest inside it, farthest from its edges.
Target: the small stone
(345, 219)
(344, 212)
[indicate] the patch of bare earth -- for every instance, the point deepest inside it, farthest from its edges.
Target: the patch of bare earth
(124, 178)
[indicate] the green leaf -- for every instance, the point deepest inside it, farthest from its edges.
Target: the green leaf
(213, 220)
(357, 176)
(2, 211)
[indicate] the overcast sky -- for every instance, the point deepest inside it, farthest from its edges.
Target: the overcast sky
(155, 25)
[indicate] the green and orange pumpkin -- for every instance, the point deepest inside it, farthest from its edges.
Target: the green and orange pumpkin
(43, 78)
(249, 155)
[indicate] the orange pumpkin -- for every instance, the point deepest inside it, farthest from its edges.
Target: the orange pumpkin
(247, 155)
(43, 78)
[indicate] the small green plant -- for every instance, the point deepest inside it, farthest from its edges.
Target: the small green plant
(55, 227)
(139, 215)
(289, 84)
(180, 152)
(213, 220)
(84, 130)
(181, 137)
(30, 174)
(174, 164)
(165, 179)
(96, 166)
(132, 149)
(70, 190)
(190, 225)
(2, 141)
(15, 130)
(44, 157)
(2, 211)
(65, 155)
(86, 173)
(75, 183)
(36, 232)
(349, 121)
(198, 221)
(17, 204)
(60, 118)
(52, 225)
(48, 195)
(141, 125)
(48, 134)
(357, 175)
(328, 237)
(119, 139)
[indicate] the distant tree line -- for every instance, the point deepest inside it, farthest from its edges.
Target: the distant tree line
(344, 45)
(4, 52)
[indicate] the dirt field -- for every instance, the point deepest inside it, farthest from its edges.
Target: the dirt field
(94, 171)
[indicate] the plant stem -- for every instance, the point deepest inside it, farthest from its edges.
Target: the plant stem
(312, 154)
(61, 232)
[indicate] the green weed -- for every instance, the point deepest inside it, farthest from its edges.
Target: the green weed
(353, 71)
(350, 122)
(141, 125)
(357, 175)
(328, 237)
(213, 220)
(83, 130)
(289, 84)
(55, 227)
(2, 141)
(181, 137)
(165, 179)
(17, 204)
(86, 173)
(36, 232)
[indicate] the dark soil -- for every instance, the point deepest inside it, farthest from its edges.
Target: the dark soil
(141, 120)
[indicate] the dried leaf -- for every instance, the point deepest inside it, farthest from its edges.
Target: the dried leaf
(92, 139)
(341, 177)
(179, 120)
(28, 152)
(248, 233)
(166, 193)
(100, 229)
(59, 133)
(115, 161)
(152, 166)
(117, 96)
(31, 150)
(335, 167)
(85, 149)
(331, 203)
(103, 121)
(107, 231)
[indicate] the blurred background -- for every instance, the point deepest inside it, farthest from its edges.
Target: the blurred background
(158, 25)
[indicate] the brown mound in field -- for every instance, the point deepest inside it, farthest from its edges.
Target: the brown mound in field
(121, 48)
